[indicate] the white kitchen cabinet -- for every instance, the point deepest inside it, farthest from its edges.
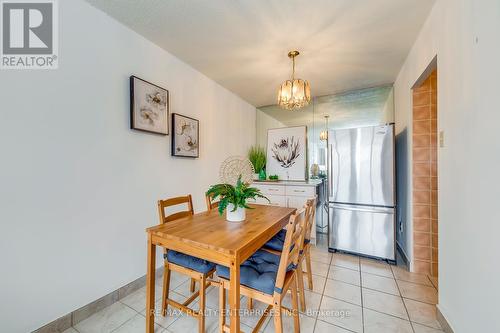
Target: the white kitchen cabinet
(288, 194)
(296, 202)
(301, 191)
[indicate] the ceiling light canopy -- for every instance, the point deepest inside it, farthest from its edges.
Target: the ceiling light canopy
(295, 93)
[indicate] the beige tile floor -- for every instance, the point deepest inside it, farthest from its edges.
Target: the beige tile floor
(350, 294)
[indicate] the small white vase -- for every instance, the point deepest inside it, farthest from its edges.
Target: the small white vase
(237, 216)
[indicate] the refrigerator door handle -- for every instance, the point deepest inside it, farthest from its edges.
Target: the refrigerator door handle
(364, 209)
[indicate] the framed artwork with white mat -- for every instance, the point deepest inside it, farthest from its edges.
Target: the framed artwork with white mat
(287, 153)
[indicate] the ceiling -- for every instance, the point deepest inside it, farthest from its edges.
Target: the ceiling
(356, 108)
(243, 44)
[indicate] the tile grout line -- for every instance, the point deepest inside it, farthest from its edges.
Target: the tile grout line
(323, 296)
(432, 283)
(322, 292)
(381, 276)
(321, 301)
(404, 304)
(126, 321)
(337, 326)
(378, 311)
(361, 292)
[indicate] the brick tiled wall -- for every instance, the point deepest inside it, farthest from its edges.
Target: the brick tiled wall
(425, 205)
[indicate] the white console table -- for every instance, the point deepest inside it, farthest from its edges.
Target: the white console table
(289, 194)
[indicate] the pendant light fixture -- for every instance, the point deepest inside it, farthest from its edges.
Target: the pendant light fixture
(323, 135)
(295, 93)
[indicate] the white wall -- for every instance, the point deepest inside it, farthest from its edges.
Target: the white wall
(262, 124)
(78, 187)
(464, 36)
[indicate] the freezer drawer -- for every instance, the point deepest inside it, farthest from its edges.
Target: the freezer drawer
(365, 230)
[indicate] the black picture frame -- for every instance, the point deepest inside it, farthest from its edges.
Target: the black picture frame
(175, 149)
(134, 96)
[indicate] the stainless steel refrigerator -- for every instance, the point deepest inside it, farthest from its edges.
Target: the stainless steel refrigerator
(361, 202)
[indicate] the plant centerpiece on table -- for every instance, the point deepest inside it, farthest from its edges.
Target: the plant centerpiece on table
(233, 199)
(257, 156)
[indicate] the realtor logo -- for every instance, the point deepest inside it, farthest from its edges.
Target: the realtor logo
(29, 34)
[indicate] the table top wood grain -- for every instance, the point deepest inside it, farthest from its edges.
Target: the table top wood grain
(211, 231)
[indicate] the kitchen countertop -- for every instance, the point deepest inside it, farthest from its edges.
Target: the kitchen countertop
(310, 182)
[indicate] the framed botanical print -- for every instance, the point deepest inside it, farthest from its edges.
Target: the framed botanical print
(286, 153)
(149, 107)
(185, 136)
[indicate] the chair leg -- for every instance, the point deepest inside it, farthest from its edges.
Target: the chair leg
(300, 283)
(192, 286)
(222, 308)
(166, 286)
(278, 323)
(295, 305)
(309, 271)
(201, 319)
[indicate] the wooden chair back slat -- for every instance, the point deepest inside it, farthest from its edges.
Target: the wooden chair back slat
(176, 216)
(291, 256)
(210, 203)
(294, 230)
(308, 222)
(310, 218)
(164, 204)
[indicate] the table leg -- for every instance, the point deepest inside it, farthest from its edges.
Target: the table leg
(150, 287)
(234, 297)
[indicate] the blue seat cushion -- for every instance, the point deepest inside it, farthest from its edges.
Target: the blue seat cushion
(276, 243)
(257, 272)
(184, 260)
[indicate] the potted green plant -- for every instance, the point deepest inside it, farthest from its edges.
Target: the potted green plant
(257, 156)
(233, 199)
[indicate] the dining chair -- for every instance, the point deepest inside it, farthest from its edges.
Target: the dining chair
(276, 243)
(197, 269)
(267, 277)
(211, 204)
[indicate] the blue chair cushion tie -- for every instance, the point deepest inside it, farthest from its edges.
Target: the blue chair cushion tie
(184, 260)
(258, 272)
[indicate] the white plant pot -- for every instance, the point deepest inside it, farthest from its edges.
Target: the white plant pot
(238, 215)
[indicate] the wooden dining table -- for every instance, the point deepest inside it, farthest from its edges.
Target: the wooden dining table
(209, 236)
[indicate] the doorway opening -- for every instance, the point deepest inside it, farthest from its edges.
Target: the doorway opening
(425, 173)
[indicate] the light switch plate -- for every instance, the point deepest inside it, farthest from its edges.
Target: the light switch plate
(441, 139)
